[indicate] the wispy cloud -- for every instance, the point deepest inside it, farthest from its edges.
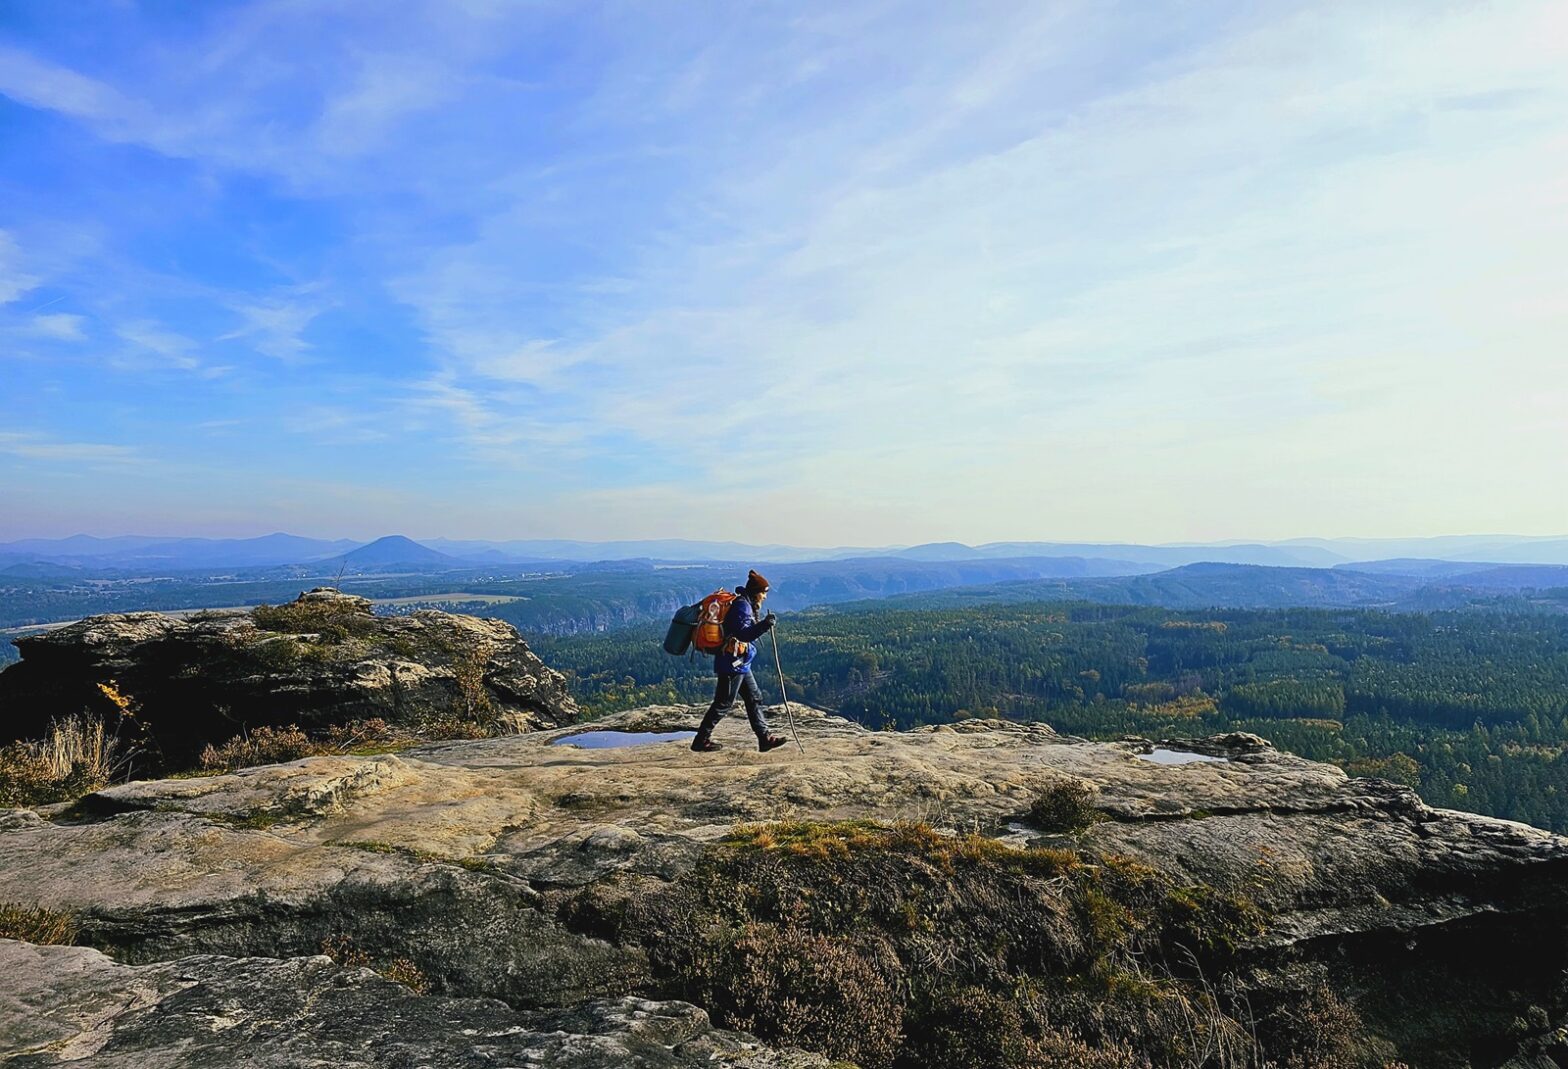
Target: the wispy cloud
(14, 281)
(276, 327)
(338, 425)
(152, 345)
(59, 326)
(1057, 269)
(92, 454)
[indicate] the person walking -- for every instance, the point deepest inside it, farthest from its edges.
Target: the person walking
(732, 664)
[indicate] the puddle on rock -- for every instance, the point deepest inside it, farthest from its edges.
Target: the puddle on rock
(607, 740)
(1161, 756)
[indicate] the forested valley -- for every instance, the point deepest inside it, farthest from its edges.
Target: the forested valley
(1470, 708)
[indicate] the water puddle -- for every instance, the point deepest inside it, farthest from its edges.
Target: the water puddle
(607, 740)
(1161, 756)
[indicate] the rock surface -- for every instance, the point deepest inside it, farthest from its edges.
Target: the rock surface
(73, 1006)
(324, 659)
(456, 856)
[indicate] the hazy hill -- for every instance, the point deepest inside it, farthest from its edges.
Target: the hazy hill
(1195, 586)
(129, 553)
(1421, 566)
(277, 548)
(1171, 556)
(394, 550)
(177, 554)
(1514, 577)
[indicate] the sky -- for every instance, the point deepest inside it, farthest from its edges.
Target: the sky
(816, 273)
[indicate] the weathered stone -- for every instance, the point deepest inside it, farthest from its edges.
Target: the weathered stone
(73, 1006)
(324, 659)
(453, 856)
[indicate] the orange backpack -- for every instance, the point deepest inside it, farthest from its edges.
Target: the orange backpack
(709, 636)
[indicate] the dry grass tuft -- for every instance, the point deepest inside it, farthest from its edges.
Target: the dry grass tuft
(42, 926)
(270, 746)
(77, 757)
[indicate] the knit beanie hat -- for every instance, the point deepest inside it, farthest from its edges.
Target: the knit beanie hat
(755, 584)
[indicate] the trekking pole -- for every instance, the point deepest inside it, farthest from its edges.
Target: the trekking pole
(780, 666)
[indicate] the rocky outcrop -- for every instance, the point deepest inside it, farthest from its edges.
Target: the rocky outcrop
(73, 1006)
(321, 660)
(552, 877)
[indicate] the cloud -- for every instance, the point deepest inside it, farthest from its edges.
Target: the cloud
(40, 84)
(150, 344)
(41, 448)
(337, 425)
(276, 327)
(14, 281)
(387, 90)
(1049, 269)
(1200, 257)
(59, 326)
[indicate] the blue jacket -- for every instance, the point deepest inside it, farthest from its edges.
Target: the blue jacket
(740, 622)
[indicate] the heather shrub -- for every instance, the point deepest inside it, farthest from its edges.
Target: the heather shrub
(341, 949)
(406, 973)
(1314, 1029)
(833, 994)
(454, 728)
(968, 1026)
(1064, 806)
(900, 946)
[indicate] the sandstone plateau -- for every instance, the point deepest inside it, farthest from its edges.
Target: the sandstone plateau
(536, 891)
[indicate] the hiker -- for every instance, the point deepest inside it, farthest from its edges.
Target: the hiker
(733, 665)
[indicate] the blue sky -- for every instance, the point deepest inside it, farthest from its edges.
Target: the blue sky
(816, 273)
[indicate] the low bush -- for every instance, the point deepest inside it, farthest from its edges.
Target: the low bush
(1064, 806)
(264, 746)
(406, 973)
(829, 993)
(455, 728)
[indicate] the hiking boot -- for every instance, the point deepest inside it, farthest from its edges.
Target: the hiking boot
(771, 742)
(702, 745)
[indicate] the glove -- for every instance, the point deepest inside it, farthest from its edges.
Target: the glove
(770, 620)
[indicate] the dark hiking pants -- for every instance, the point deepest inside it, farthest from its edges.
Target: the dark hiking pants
(744, 685)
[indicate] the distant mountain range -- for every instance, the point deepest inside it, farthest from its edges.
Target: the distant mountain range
(132, 551)
(1250, 586)
(1428, 557)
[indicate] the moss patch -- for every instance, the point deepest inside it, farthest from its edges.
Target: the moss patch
(472, 864)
